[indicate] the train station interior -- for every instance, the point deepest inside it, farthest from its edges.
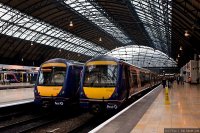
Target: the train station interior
(116, 66)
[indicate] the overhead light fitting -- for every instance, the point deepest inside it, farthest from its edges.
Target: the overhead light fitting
(100, 39)
(186, 34)
(31, 43)
(60, 50)
(178, 55)
(22, 59)
(181, 48)
(71, 24)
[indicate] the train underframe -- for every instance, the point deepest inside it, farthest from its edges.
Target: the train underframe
(98, 106)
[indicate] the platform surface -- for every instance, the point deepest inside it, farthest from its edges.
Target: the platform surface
(10, 97)
(16, 85)
(128, 117)
(181, 109)
(182, 112)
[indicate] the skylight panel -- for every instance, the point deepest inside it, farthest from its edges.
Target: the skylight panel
(16, 24)
(143, 56)
(153, 14)
(87, 10)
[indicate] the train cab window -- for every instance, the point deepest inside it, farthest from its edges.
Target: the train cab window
(100, 76)
(58, 77)
(53, 76)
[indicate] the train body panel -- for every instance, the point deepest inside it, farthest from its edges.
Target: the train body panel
(58, 82)
(52, 90)
(107, 82)
(98, 92)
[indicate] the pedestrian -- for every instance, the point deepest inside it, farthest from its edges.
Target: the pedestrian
(189, 80)
(170, 82)
(164, 82)
(178, 79)
(182, 80)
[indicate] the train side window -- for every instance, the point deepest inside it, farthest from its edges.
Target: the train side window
(142, 78)
(134, 78)
(147, 78)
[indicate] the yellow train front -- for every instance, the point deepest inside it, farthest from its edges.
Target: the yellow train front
(99, 87)
(58, 83)
(107, 82)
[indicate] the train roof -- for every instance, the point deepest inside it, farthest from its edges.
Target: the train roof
(104, 58)
(110, 58)
(61, 60)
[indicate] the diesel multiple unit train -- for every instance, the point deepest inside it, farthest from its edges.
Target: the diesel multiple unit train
(108, 82)
(104, 83)
(58, 82)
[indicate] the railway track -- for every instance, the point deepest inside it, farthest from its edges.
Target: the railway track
(70, 121)
(95, 121)
(7, 113)
(29, 123)
(23, 118)
(30, 119)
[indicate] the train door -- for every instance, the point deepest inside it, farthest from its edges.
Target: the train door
(77, 71)
(134, 80)
(21, 77)
(127, 80)
(2, 77)
(73, 80)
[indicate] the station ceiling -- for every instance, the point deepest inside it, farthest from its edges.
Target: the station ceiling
(33, 31)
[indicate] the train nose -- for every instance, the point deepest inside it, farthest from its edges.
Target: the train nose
(99, 92)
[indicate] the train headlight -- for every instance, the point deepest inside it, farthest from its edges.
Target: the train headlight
(35, 91)
(81, 94)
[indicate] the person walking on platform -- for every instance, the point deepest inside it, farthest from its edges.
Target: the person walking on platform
(178, 79)
(170, 82)
(189, 80)
(164, 82)
(182, 80)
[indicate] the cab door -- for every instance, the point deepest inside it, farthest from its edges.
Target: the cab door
(127, 80)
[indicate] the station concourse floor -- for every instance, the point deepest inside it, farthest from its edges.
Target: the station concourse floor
(182, 112)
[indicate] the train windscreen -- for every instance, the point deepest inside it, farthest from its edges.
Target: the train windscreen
(52, 76)
(100, 76)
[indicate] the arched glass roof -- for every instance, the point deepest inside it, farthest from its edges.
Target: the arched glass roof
(156, 18)
(19, 25)
(86, 9)
(143, 56)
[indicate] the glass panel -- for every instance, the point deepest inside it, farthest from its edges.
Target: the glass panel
(20, 25)
(143, 56)
(87, 10)
(156, 18)
(100, 76)
(52, 76)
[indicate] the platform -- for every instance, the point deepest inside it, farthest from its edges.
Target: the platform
(11, 97)
(182, 112)
(16, 85)
(152, 115)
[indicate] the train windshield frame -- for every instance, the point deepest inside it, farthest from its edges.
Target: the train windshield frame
(100, 76)
(52, 76)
